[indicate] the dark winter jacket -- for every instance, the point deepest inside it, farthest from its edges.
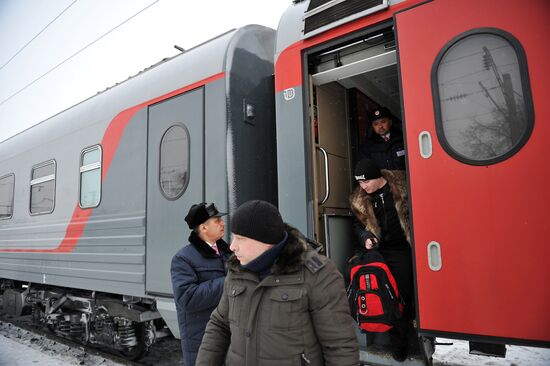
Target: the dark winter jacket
(197, 280)
(383, 214)
(387, 154)
(297, 315)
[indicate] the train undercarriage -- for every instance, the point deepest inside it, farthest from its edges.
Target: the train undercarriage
(126, 325)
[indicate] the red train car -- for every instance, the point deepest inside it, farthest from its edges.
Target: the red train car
(467, 80)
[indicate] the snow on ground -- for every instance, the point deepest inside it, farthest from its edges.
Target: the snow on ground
(13, 353)
(19, 347)
(457, 355)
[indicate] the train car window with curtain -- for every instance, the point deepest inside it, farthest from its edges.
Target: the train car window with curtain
(7, 184)
(482, 97)
(43, 188)
(174, 162)
(90, 177)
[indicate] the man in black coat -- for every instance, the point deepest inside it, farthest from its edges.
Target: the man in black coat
(198, 273)
(384, 144)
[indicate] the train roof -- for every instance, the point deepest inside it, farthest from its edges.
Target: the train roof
(200, 62)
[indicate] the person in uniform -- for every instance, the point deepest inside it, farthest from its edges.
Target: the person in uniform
(384, 144)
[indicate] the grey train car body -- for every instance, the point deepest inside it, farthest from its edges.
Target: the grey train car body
(221, 94)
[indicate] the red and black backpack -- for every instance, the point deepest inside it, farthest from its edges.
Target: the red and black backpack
(372, 292)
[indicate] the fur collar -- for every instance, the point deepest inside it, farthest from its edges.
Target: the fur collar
(206, 250)
(291, 258)
(361, 204)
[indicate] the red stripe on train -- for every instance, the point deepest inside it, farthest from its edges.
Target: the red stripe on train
(109, 144)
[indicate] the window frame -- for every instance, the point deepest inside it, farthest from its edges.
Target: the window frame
(184, 189)
(525, 86)
(12, 195)
(87, 168)
(41, 180)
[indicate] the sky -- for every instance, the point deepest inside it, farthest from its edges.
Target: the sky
(56, 53)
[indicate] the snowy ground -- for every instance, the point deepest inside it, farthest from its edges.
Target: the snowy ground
(11, 351)
(457, 355)
(19, 347)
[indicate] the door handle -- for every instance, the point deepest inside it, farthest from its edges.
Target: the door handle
(327, 186)
(434, 256)
(425, 141)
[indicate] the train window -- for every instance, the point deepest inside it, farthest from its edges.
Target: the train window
(7, 183)
(482, 97)
(43, 188)
(174, 162)
(90, 177)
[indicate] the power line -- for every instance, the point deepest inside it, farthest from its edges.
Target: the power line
(77, 52)
(39, 33)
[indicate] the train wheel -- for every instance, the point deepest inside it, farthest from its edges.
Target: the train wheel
(139, 350)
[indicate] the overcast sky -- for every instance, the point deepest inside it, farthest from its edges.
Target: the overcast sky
(39, 35)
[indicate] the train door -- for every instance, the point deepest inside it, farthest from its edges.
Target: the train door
(470, 72)
(174, 181)
(331, 155)
(347, 79)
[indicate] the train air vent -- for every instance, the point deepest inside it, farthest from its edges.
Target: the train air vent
(322, 15)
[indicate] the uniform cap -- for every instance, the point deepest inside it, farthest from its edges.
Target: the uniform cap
(379, 113)
(200, 212)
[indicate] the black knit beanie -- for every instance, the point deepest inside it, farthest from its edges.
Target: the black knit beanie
(367, 169)
(258, 220)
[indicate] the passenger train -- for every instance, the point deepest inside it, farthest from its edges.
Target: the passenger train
(92, 200)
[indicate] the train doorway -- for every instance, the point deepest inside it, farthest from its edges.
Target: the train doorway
(346, 82)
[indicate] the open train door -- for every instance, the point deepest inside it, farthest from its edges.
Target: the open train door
(475, 84)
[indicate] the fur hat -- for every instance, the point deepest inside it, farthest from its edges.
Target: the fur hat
(258, 220)
(201, 212)
(367, 169)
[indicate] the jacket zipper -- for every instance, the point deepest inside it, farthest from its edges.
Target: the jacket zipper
(305, 360)
(384, 210)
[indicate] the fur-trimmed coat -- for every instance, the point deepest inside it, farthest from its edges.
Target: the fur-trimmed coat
(197, 281)
(361, 205)
(296, 315)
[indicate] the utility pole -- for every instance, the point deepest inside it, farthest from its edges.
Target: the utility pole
(505, 83)
(508, 91)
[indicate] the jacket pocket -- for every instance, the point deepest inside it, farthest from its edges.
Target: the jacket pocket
(236, 303)
(288, 308)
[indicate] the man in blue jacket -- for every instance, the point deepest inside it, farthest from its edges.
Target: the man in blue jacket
(198, 272)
